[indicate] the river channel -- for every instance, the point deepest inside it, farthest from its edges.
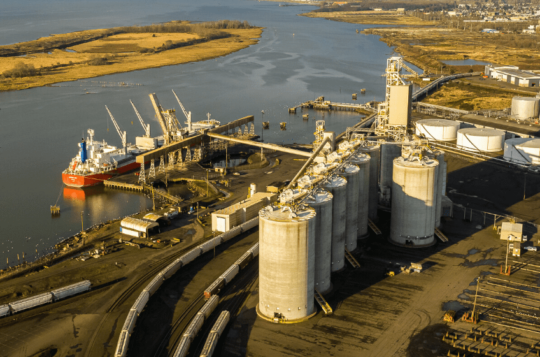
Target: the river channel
(297, 59)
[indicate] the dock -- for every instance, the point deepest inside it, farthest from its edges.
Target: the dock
(321, 104)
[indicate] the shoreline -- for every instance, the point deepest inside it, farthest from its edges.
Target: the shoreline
(112, 54)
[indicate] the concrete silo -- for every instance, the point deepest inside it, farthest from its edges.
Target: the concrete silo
(351, 173)
(413, 202)
(374, 152)
(441, 183)
(321, 202)
(389, 151)
(337, 186)
(286, 262)
(363, 162)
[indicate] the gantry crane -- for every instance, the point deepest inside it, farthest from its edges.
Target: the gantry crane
(186, 113)
(123, 134)
(146, 127)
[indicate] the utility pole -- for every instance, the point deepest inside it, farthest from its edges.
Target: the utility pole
(206, 182)
(153, 201)
(82, 222)
(226, 154)
(525, 186)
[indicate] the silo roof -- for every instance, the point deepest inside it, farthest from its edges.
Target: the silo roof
(534, 143)
(438, 122)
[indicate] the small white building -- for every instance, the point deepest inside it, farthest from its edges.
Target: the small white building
(511, 231)
(138, 227)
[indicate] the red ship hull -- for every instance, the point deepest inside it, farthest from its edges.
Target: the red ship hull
(74, 180)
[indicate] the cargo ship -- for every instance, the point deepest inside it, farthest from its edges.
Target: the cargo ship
(98, 161)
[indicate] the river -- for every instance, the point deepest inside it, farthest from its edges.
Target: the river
(297, 59)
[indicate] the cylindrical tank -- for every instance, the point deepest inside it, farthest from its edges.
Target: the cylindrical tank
(513, 153)
(351, 173)
(441, 175)
(286, 262)
(525, 107)
(321, 202)
(389, 151)
(337, 186)
(413, 202)
(480, 139)
(437, 129)
(374, 167)
(363, 162)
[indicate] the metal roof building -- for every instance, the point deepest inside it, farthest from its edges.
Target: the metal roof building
(137, 227)
(513, 75)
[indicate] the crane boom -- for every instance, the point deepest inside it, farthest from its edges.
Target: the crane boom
(123, 134)
(186, 113)
(146, 127)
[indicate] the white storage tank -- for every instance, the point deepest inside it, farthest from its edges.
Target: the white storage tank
(321, 202)
(286, 262)
(525, 107)
(437, 129)
(522, 150)
(351, 173)
(337, 186)
(374, 152)
(532, 150)
(363, 162)
(389, 151)
(480, 139)
(413, 202)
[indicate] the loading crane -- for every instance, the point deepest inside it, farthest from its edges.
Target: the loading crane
(146, 127)
(186, 113)
(123, 134)
(167, 119)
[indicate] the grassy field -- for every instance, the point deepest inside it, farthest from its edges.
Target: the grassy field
(370, 17)
(94, 53)
(467, 97)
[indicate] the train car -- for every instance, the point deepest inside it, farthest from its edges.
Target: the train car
(31, 302)
(122, 346)
(183, 347)
(131, 318)
(249, 224)
(221, 322)
(230, 273)
(244, 259)
(190, 256)
(71, 290)
(141, 301)
(210, 345)
(172, 268)
(214, 288)
(231, 234)
(209, 307)
(4, 310)
(194, 326)
(255, 249)
(154, 284)
(209, 245)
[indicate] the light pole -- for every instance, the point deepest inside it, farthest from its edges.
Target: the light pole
(525, 186)
(82, 222)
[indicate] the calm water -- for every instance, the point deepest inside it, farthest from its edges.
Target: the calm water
(296, 59)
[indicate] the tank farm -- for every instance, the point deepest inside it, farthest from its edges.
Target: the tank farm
(409, 234)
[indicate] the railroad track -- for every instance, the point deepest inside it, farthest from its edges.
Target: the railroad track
(242, 285)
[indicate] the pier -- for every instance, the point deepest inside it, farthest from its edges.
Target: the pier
(321, 104)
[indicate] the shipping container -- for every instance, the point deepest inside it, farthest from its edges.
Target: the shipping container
(209, 307)
(230, 273)
(4, 310)
(190, 256)
(255, 250)
(31, 302)
(71, 290)
(122, 346)
(172, 268)
(210, 345)
(214, 288)
(221, 322)
(194, 326)
(154, 284)
(131, 318)
(183, 347)
(244, 259)
(141, 301)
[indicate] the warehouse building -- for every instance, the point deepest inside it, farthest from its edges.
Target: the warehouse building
(513, 75)
(232, 216)
(138, 227)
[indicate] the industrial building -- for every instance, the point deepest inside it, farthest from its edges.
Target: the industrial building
(232, 216)
(513, 75)
(139, 228)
